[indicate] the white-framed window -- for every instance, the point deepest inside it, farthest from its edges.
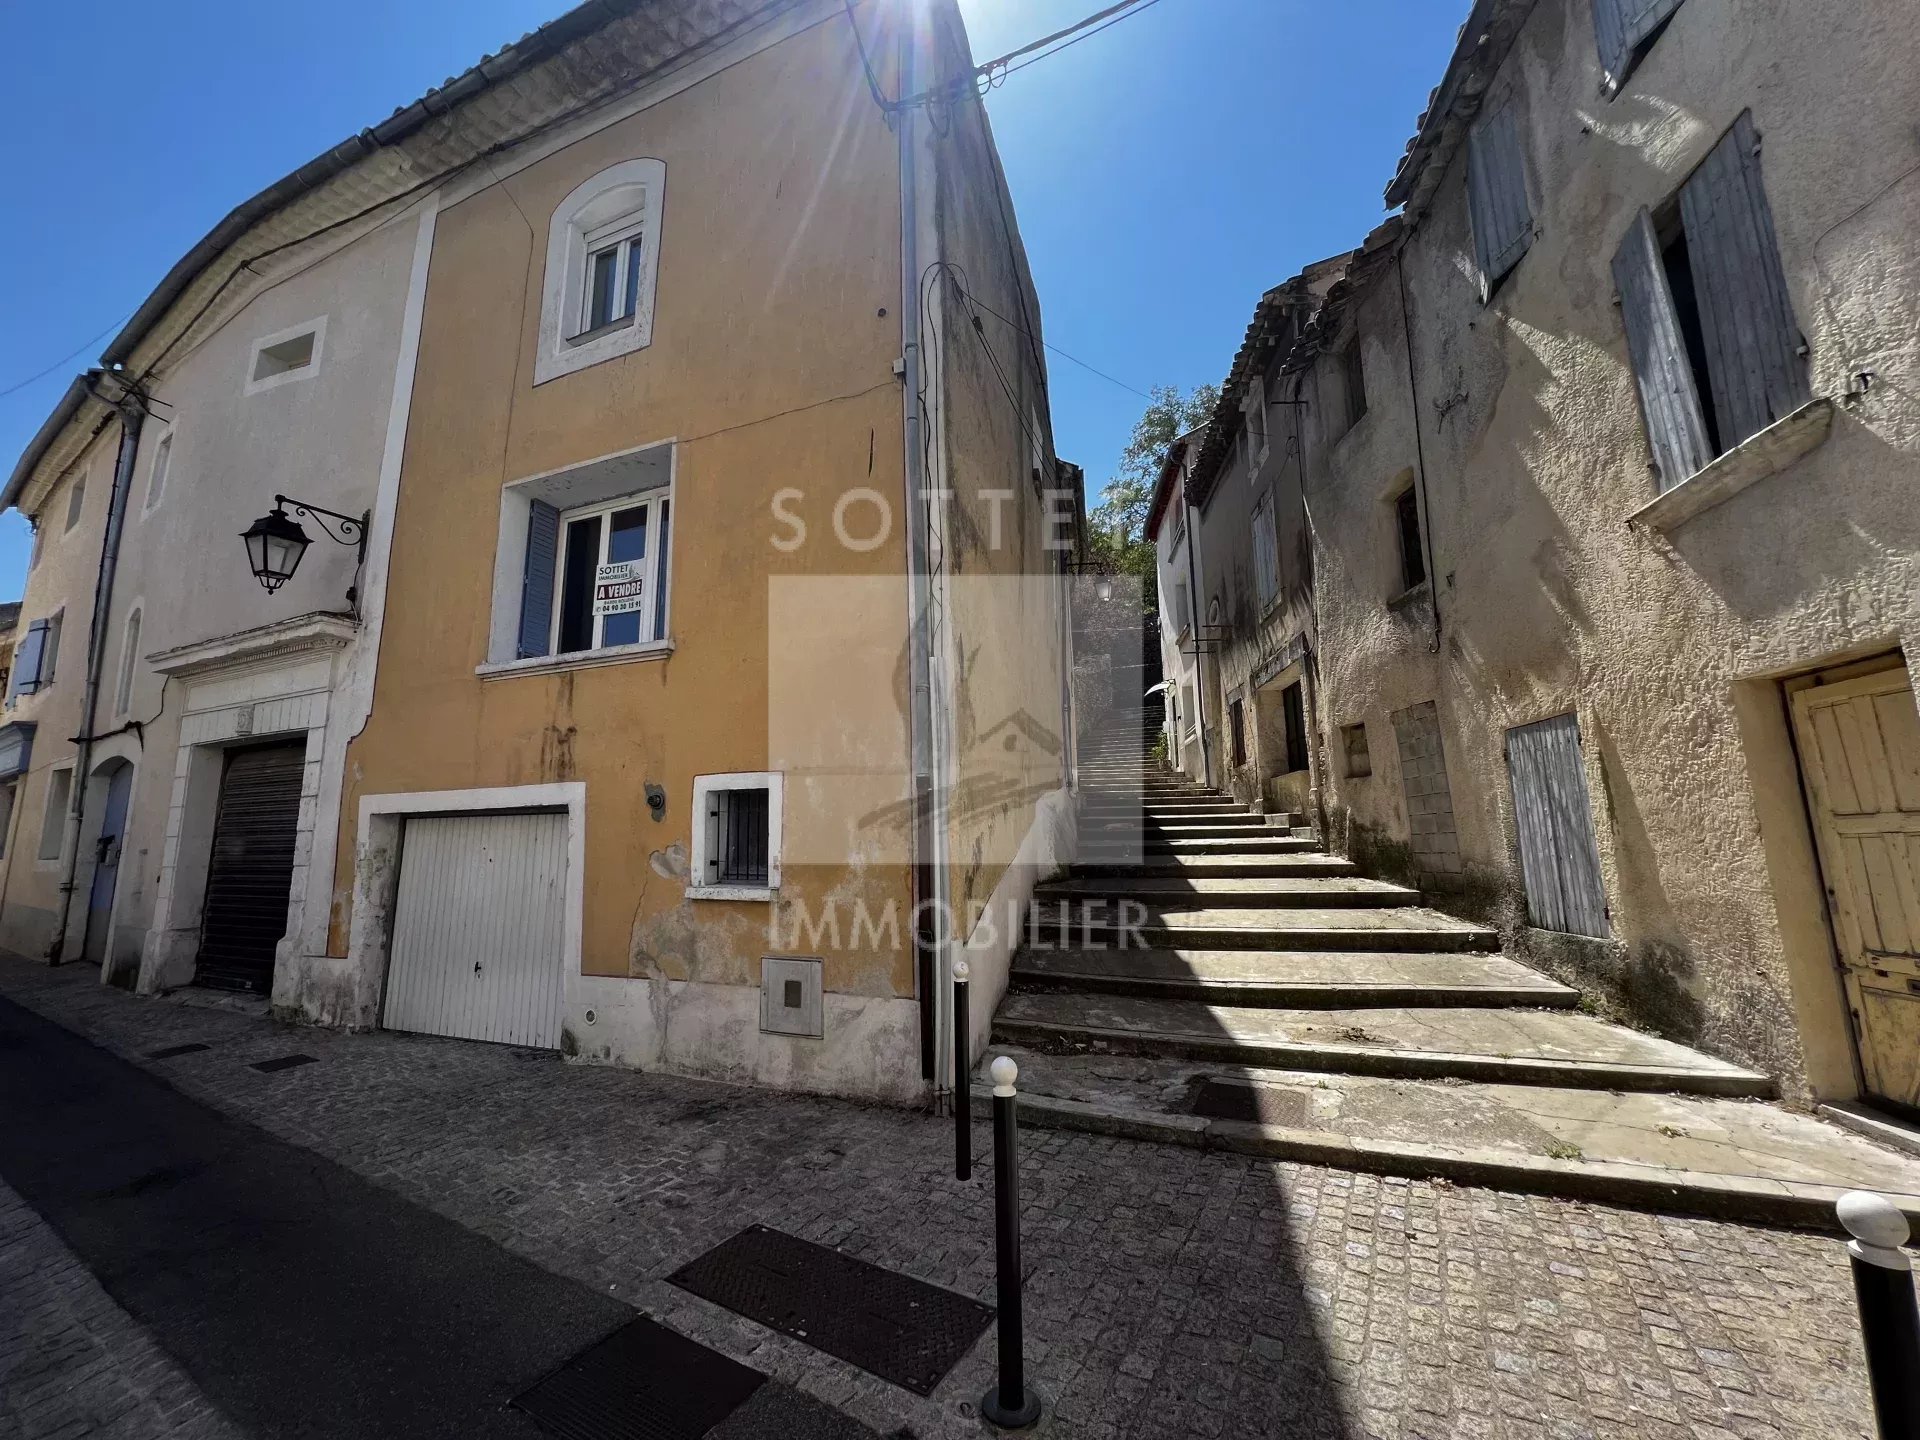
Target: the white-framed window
(736, 836)
(1182, 608)
(35, 656)
(609, 586)
(286, 356)
(603, 258)
(39, 541)
(1266, 553)
(76, 500)
(1179, 525)
(157, 470)
(129, 657)
(583, 572)
(53, 820)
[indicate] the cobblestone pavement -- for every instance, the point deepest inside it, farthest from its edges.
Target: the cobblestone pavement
(71, 1361)
(1170, 1293)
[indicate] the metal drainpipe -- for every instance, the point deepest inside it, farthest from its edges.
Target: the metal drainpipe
(928, 882)
(1198, 605)
(132, 414)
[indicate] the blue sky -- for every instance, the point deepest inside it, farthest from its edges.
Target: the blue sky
(1164, 171)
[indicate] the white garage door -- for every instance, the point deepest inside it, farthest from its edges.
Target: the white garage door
(477, 928)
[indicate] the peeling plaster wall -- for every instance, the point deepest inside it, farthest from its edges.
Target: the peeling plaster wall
(1665, 645)
(771, 367)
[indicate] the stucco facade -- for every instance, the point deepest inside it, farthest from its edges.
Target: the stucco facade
(710, 298)
(1672, 633)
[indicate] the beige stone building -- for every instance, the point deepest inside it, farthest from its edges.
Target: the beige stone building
(1616, 571)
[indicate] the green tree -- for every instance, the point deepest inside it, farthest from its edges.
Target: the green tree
(1117, 532)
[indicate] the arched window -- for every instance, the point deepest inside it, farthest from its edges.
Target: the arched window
(129, 656)
(603, 255)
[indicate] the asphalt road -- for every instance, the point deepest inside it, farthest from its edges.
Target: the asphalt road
(303, 1300)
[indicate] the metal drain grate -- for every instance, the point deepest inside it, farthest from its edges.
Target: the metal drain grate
(285, 1062)
(1249, 1100)
(171, 1051)
(643, 1382)
(891, 1325)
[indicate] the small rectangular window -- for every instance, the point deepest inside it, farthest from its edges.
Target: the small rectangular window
(39, 540)
(76, 501)
(612, 286)
(1293, 723)
(1256, 412)
(53, 822)
(736, 842)
(1182, 608)
(284, 357)
(157, 472)
(7, 794)
(1236, 723)
(1406, 525)
(129, 654)
(738, 854)
(1353, 744)
(1353, 376)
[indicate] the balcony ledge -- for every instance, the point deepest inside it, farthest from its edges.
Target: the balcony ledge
(577, 660)
(1751, 461)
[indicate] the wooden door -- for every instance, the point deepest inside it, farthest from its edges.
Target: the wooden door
(1860, 750)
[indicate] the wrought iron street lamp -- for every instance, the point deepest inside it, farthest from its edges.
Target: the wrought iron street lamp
(276, 541)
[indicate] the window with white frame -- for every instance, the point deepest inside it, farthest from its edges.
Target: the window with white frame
(157, 470)
(603, 256)
(53, 820)
(285, 356)
(610, 570)
(583, 572)
(129, 655)
(736, 836)
(1266, 553)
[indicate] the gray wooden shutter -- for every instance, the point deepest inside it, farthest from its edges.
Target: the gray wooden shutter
(536, 587)
(1675, 428)
(26, 659)
(1497, 193)
(1753, 344)
(1559, 857)
(1621, 27)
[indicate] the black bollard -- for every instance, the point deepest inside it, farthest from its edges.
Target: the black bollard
(1010, 1405)
(1889, 1315)
(962, 1077)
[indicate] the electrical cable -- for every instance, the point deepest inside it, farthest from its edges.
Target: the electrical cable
(68, 360)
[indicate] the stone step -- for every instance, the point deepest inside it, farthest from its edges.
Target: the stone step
(1199, 805)
(1403, 927)
(1095, 848)
(1518, 1047)
(1304, 860)
(1680, 1154)
(1297, 978)
(1341, 887)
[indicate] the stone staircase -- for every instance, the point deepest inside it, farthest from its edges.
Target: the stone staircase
(1210, 976)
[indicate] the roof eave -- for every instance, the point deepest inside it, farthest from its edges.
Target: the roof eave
(68, 406)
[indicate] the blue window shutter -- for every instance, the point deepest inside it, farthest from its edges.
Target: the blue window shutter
(536, 588)
(1497, 193)
(1754, 364)
(1676, 429)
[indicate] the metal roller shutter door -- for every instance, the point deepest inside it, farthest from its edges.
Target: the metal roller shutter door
(250, 870)
(478, 928)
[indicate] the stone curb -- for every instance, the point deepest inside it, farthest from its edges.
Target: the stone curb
(1745, 1199)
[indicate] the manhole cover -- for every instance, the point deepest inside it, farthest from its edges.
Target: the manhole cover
(285, 1062)
(1251, 1101)
(643, 1382)
(891, 1325)
(173, 1050)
